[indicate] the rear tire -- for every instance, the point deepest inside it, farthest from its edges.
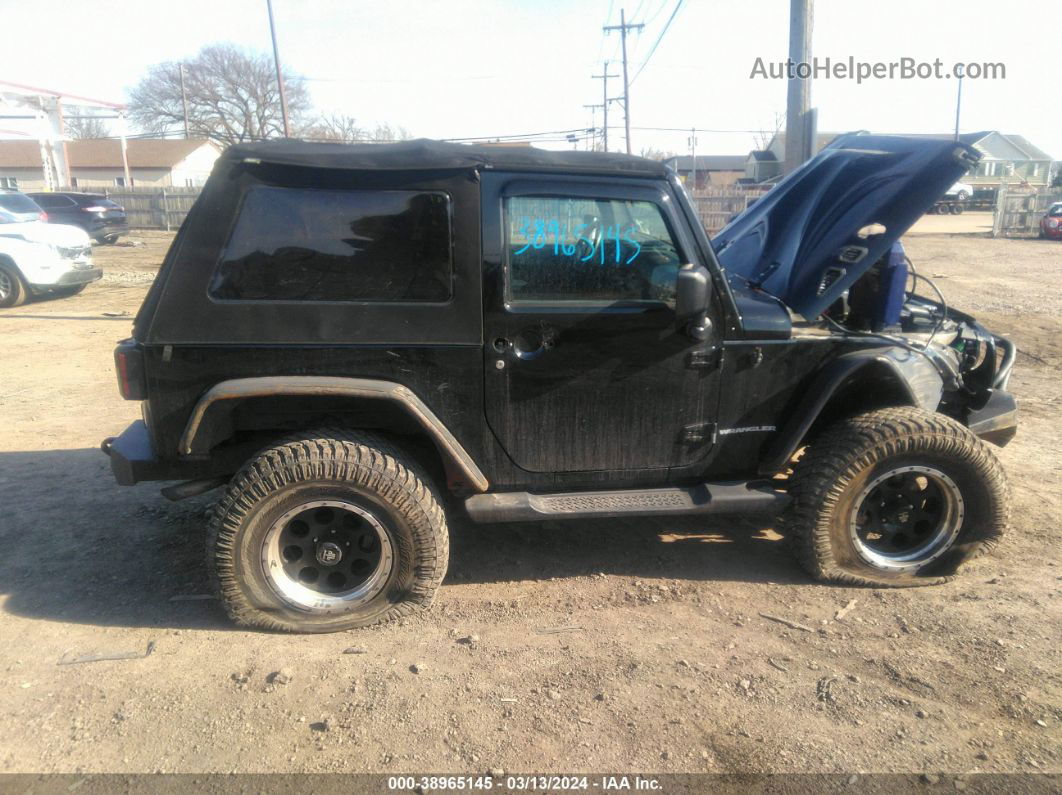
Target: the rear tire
(13, 291)
(895, 497)
(329, 531)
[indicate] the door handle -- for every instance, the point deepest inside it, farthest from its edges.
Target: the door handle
(531, 343)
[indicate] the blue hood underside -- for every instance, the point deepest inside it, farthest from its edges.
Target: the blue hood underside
(825, 225)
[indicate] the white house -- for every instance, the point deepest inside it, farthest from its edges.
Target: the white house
(97, 163)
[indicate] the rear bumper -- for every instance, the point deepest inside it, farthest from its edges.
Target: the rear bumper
(107, 228)
(134, 459)
(132, 455)
(997, 420)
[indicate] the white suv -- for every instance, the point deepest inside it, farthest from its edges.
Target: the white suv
(37, 258)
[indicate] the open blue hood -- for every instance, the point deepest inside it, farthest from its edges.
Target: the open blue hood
(819, 229)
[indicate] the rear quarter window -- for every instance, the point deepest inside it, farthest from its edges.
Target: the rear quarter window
(295, 244)
(53, 202)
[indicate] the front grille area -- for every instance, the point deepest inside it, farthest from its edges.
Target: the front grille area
(80, 257)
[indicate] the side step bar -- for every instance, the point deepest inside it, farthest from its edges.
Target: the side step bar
(732, 497)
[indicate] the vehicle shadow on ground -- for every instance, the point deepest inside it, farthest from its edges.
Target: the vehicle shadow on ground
(723, 548)
(81, 549)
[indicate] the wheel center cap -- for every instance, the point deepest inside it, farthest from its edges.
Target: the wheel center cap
(329, 554)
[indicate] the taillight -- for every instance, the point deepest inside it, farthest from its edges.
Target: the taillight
(44, 216)
(95, 209)
(129, 365)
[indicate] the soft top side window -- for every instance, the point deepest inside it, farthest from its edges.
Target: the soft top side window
(298, 244)
(570, 248)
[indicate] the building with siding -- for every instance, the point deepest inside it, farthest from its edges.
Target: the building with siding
(1004, 158)
(712, 170)
(97, 163)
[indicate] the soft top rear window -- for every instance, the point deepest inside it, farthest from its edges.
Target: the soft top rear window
(297, 244)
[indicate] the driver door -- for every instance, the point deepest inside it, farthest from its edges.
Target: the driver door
(585, 366)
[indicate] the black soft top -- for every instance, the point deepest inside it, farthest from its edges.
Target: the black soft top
(424, 154)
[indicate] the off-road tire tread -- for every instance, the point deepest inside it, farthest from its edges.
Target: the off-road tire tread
(367, 459)
(821, 477)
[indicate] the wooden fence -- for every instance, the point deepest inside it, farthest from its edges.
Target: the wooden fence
(1018, 212)
(716, 206)
(150, 208)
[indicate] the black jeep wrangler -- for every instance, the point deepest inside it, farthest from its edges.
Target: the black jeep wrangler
(348, 338)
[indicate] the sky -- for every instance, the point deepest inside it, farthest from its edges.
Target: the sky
(464, 68)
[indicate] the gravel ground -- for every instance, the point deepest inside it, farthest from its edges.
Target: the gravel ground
(602, 646)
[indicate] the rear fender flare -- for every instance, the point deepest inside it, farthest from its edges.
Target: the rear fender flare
(917, 379)
(214, 409)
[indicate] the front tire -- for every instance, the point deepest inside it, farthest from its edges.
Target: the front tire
(13, 290)
(895, 497)
(325, 532)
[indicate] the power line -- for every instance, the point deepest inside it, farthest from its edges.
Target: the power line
(659, 8)
(699, 129)
(601, 44)
(667, 25)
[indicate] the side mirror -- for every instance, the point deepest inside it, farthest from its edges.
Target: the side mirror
(692, 296)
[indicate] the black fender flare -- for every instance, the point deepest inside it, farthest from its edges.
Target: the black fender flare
(916, 376)
(215, 407)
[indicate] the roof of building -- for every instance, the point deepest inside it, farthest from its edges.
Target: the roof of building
(423, 154)
(105, 152)
(762, 154)
(684, 163)
(1034, 153)
(821, 140)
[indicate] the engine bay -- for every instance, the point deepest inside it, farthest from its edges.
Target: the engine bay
(885, 303)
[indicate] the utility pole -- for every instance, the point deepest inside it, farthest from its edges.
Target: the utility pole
(693, 157)
(280, 77)
(798, 118)
(623, 27)
(184, 101)
(593, 124)
(603, 77)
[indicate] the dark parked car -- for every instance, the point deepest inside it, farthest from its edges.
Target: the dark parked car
(20, 207)
(103, 219)
(358, 341)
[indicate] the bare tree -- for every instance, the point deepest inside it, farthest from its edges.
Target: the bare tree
(334, 127)
(763, 138)
(655, 154)
(345, 129)
(386, 133)
(232, 96)
(80, 127)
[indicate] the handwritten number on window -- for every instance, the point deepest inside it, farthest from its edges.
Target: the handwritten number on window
(609, 247)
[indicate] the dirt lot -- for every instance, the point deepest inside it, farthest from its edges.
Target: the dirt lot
(604, 646)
